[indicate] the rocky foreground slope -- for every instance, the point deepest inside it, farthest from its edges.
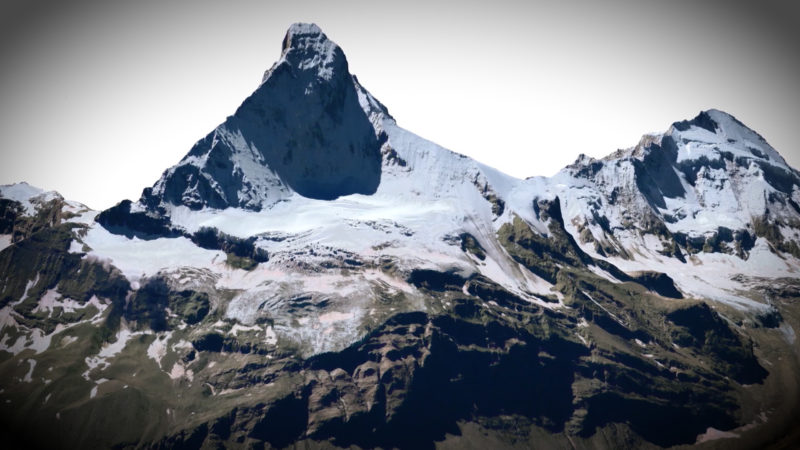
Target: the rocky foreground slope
(312, 274)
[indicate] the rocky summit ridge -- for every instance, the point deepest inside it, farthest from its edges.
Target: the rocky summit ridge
(306, 129)
(312, 274)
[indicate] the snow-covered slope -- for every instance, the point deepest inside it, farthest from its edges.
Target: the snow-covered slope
(29, 197)
(311, 252)
(428, 197)
(359, 185)
(24, 209)
(312, 160)
(704, 201)
(703, 181)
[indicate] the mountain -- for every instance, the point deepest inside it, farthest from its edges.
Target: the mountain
(312, 274)
(306, 129)
(706, 182)
(708, 186)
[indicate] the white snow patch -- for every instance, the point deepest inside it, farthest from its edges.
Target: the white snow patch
(181, 344)
(335, 316)
(603, 274)
(16, 347)
(709, 275)
(237, 328)
(158, 348)
(29, 376)
(180, 371)
(138, 258)
(5, 241)
(24, 193)
(41, 342)
(271, 338)
(713, 434)
(109, 351)
(123, 336)
(6, 318)
(52, 299)
(330, 284)
(28, 286)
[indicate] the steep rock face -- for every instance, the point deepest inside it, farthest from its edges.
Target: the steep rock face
(709, 184)
(303, 130)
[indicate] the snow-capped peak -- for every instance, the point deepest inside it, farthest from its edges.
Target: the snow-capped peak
(311, 154)
(306, 47)
(706, 185)
(720, 129)
(27, 195)
(299, 31)
(310, 128)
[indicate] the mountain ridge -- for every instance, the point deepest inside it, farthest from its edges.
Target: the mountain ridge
(646, 299)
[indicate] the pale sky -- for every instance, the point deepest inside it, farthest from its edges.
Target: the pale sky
(98, 97)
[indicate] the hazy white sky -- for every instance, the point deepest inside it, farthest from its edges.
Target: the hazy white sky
(97, 98)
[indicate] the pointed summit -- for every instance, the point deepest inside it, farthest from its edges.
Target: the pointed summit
(308, 129)
(707, 184)
(300, 35)
(726, 131)
(306, 47)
